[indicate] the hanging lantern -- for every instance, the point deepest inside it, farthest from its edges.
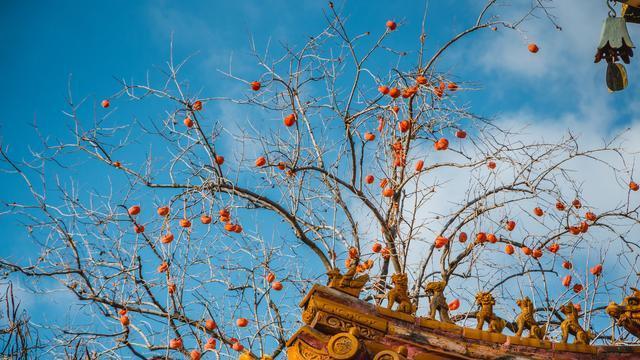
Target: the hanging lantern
(615, 45)
(615, 42)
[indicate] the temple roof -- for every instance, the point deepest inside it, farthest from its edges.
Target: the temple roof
(341, 326)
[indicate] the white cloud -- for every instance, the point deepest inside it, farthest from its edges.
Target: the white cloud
(43, 305)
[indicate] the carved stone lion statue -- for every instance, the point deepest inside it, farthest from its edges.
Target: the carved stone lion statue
(399, 294)
(526, 320)
(627, 314)
(571, 325)
(438, 303)
(486, 301)
(348, 283)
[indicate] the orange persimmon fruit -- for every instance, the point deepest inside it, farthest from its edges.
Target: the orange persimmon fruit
(404, 125)
(576, 204)
(596, 270)
(167, 239)
(270, 277)
(441, 241)
(575, 230)
(387, 192)
(289, 120)
(210, 345)
(441, 144)
(261, 161)
(492, 238)
(509, 250)
(195, 355)
(369, 136)
(163, 211)
(210, 325)
(391, 25)
(276, 285)
(175, 343)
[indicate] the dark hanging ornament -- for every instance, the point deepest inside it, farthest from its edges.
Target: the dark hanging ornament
(616, 77)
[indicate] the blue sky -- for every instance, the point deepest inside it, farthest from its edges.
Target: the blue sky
(43, 44)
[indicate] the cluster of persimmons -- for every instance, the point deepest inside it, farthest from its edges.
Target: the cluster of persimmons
(209, 324)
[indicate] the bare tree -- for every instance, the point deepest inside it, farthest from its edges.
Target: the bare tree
(19, 339)
(352, 170)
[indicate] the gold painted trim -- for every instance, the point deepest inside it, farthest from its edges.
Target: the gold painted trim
(578, 348)
(395, 314)
(324, 305)
(309, 331)
(439, 325)
(343, 346)
(484, 335)
(524, 341)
